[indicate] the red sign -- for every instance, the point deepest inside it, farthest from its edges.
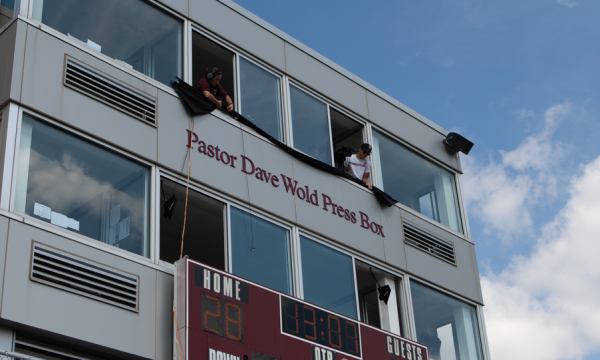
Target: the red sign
(224, 317)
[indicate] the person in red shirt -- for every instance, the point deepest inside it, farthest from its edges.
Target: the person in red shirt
(211, 88)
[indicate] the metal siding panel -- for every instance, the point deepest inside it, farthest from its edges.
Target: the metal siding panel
(461, 279)
(213, 131)
(276, 162)
(62, 312)
(325, 80)
(43, 90)
(3, 239)
(239, 30)
(343, 194)
(7, 41)
(409, 129)
(18, 60)
(164, 315)
(180, 6)
(393, 242)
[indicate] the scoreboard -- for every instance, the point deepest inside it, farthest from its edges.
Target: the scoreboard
(223, 317)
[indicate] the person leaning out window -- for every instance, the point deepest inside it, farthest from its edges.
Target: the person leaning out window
(211, 89)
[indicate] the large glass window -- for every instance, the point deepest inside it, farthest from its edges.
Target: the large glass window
(260, 94)
(204, 229)
(310, 125)
(131, 31)
(446, 325)
(416, 182)
(260, 251)
(7, 10)
(66, 181)
(327, 278)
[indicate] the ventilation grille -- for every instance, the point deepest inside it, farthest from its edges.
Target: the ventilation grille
(429, 243)
(84, 277)
(113, 93)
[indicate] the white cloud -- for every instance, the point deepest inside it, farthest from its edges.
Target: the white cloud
(502, 193)
(545, 306)
(567, 3)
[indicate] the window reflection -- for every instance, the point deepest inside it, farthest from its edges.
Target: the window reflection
(130, 31)
(261, 98)
(328, 278)
(73, 184)
(416, 182)
(260, 251)
(446, 325)
(310, 125)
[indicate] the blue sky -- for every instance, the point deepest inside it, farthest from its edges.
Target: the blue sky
(521, 79)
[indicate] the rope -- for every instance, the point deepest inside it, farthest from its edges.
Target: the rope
(187, 189)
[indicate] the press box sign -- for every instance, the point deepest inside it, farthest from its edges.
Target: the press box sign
(224, 317)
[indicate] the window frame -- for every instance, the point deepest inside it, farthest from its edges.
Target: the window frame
(293, 245)
(459, 201)
(27, 8)
(478, 311)
(149, 218)
(284, 94)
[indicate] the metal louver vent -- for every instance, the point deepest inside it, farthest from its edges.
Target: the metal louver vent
(84, 277)
(96, 85)
(429, 243)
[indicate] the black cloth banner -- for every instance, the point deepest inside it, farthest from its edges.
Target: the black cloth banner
(198, 105)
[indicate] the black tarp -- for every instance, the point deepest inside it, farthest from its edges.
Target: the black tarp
(198, 105)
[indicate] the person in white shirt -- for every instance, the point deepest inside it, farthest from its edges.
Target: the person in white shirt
(358, 165)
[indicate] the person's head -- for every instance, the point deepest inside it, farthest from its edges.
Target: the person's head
(213, 74)
(363, 151)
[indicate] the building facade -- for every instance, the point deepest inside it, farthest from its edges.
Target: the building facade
(95, 152)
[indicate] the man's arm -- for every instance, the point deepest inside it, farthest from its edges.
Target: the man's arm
(211, 98)
(229, 103)
(365, 179)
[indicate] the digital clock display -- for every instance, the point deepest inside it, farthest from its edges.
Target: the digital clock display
(321, 327)
(222, 317)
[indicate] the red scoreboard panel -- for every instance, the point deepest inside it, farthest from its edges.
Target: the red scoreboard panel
(224, 317)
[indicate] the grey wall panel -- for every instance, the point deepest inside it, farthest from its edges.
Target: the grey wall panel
(180, 6)
(3, 241)
(325, 80)
(461, 279)
(43, 90)
(343, 194)
(409, 129)
(18, 60)
(172, 137)
(393, 241)
(72, 315)
(274, 162)
(7, 44)
(214, 132)
(164, 315)
(239, 30)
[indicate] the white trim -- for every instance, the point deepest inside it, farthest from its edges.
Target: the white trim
(483, 333)
(155, 213)
(10, 121)
(463, 207)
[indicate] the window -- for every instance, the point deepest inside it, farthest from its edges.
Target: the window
(260, 251)
(66, 181)
(310, 125)
(260, 94)
(327, 278)
(446, 325)
(208, 54)
(204, 229)
(134, 33)
(7, 10)
(416, 182)
(319, 130)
